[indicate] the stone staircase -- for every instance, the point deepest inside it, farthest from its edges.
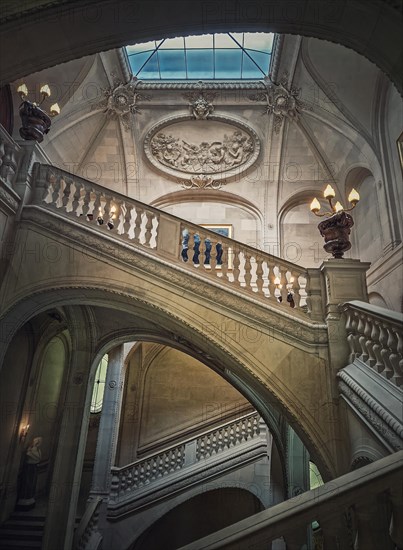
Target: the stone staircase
(22, 531)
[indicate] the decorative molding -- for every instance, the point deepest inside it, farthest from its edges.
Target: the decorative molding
(121, 100)
(379, 419)
(201, 181)
(208, 85)
(200, 102)
(282, 100)
(229, 154)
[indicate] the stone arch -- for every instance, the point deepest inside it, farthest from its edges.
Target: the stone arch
(185, 336)
(95, 28)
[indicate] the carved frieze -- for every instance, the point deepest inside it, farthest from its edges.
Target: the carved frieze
(219, 145)
(121, 100)
(282, 100)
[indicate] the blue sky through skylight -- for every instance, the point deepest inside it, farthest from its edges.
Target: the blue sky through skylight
(230, 56)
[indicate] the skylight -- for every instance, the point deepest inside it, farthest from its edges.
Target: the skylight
(230, 56)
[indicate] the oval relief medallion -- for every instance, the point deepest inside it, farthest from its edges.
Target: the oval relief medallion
(219, 145)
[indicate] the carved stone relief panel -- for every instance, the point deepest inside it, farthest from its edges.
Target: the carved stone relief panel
(219, 145)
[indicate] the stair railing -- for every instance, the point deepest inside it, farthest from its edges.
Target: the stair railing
(214, 257)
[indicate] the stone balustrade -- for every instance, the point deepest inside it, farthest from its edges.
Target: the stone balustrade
(375, 337)
(358, 510)
(214, 257)
(163, 466)
(87, 537)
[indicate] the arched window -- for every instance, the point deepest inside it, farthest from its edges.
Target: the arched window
(315, 479)
(99, 386)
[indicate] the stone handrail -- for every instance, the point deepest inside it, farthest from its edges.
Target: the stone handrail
(189, 452)
(375, 336)
(351, 511)
(87, 527)
(215, 257)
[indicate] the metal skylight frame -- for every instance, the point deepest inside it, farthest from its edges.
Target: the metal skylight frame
(207, 60)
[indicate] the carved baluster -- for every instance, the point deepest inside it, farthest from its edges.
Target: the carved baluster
(384, 352)
(219, 255)
(137, 224)
(394, 357)
(271, 277)
(185, 245)
(115, 486)
(335, 531)
(196, 250)
(127, 217)
(56, 191)
(149, 227)
(370, 332)
(370, 534)
(294, 283)
(213, 258)
(236, 264)
(259, 275)
(207, 253)
(135, 477)
(248, 270)
(97, 208)
(283, 278)
(223, 256)
(129, 480)
(86, 203)
(361, 338)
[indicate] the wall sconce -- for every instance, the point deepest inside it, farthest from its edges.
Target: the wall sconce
(336, 228)
(24, 433)
(35, 121)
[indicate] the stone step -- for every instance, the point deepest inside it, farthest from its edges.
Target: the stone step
(20, 534)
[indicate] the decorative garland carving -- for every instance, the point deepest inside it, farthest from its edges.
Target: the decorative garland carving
(121, 100)
(282, 100)
(202, 182)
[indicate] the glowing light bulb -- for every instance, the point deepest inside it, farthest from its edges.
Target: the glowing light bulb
(22, 90)
(353, 197)
(55, 109)
(329, 192)
(45, 90)
(315, 205)
(277, 281)
(338, 207)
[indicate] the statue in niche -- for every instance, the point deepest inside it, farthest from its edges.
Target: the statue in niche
(29, 475)
(206, 158)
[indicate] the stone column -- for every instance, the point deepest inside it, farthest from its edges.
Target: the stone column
(109, 424)
(67, 469)
(344, 280)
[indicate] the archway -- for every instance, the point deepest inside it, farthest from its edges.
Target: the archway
(110, 24)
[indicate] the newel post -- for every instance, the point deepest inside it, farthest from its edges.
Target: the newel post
(344, 280)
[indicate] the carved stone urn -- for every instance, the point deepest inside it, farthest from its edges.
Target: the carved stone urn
(336, 231)
(35, 122)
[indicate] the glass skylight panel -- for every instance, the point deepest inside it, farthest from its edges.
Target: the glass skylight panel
(200, 64)
(221, 56)
(172, 64)
(228, 64)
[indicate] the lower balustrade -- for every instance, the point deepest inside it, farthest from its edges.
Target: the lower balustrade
(190, 462)
(360, 510)
(375, 337)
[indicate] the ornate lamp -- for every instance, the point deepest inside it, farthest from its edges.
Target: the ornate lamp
(35, 121)
(336, 228)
